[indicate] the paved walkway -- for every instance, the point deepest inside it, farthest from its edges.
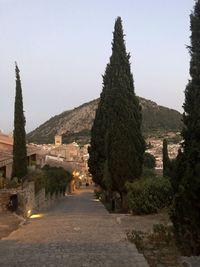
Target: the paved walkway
(8, 223)
(78, 232)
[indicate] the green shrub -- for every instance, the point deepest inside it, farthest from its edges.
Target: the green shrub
(40, 180)
(10, 183)
(98, 194)
(57, 179)
(149, 195)
(149, 160)
(148, 173)
(158, 246)
(53, 179)
(137, 237)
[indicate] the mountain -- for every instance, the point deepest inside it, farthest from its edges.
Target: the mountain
(75, 124)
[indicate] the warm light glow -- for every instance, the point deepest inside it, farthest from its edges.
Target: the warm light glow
(96, 200)
(35, 216)
(29, 213)
(75, 173)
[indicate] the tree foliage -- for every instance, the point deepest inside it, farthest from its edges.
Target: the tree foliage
(149, 195)
(149, 161)
(117, 146)
(185, 212)
(56, 179)
(19, 147)
(166, 160)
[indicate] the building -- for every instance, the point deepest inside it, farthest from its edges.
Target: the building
(6, 155)
(6, 142)
(58, 140)
(6, 161)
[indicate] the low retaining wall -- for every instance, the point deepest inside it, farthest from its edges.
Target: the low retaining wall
(5, 195)
(4, 200)
(28, 201)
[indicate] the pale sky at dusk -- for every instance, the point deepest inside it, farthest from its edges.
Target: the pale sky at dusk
(62, 48)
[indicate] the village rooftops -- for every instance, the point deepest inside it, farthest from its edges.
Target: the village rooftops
(6, 139)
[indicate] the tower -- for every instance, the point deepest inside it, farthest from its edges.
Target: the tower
(58, 140)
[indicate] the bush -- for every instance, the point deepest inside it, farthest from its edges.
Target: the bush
(149, 161)
(53, 179)
(158, 246)
(149, 195)
(98, 192)
(57, 179)
(10, 183)
(148, 173)
(40, 180)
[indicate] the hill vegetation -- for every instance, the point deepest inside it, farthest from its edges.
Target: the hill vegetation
(75, 124)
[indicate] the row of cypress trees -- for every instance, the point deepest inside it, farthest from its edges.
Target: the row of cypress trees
(117, 146)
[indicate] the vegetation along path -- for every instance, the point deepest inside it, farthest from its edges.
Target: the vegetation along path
(76, 232)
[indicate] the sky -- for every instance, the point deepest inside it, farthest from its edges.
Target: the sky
(62, 48)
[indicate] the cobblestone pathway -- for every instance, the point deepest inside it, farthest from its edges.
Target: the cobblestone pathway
(78, 232)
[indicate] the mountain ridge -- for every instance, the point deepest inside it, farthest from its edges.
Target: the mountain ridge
(75, 124)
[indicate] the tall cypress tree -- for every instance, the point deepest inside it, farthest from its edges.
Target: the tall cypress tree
(186, 208)
(117, 146)
(166, 160)
(97, 149)
(19, 147)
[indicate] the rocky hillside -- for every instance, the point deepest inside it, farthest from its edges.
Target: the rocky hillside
(75, 125)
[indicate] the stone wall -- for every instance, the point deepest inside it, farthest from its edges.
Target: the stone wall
(40, 200)
(5, 198)
(9, 170)
(26, 199)
(28, 202)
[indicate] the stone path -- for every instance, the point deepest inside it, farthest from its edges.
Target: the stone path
(8, 223)
(78, 232)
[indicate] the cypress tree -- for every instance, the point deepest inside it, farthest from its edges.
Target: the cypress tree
(166, 160)
(97, 149)
(19, 147)
(186, 209)
(117, 146)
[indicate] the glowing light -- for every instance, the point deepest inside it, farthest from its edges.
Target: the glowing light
(35, 216)
(29, 213)
(95, 200)
(75, 173)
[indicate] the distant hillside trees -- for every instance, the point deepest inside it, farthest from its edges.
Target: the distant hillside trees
(117, 145)
(186, 208)
(19, 147)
